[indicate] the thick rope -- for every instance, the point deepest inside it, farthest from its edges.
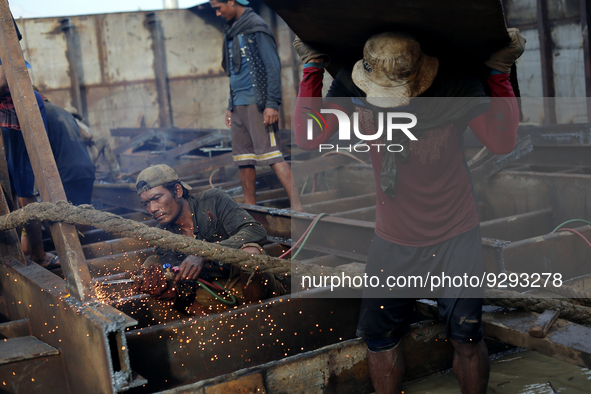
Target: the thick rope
(87, 215)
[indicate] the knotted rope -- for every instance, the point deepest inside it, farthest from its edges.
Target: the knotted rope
(87, 215)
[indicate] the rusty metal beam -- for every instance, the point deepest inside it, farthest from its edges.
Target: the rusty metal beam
(44, 167)
(516, 192)
(160, 70)
(517, 227)
(342, 204)
(547, 61)
(562, 252)
(344, 237)
(585, 7)
(551, 134)
(239, 338)
(73, 55)
(76, 329)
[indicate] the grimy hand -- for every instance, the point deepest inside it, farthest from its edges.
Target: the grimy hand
(190, 268)
(308, 53)
(270, 116)
(503, 60)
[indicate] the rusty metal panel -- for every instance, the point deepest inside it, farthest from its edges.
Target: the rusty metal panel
(120, 106)
(511, 193)
(239, 338)
(193, 44)
(200, 103)
(127, 48)
(45, 45)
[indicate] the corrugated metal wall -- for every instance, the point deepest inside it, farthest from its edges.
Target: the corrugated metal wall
(116, 66)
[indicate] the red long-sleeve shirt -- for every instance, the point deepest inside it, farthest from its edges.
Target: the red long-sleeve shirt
(434, 199)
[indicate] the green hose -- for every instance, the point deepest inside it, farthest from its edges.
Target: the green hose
(316, 220)
(570, 221)
(233, 302)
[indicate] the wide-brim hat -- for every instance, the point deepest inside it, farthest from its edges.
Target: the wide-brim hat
(393, 69)
(157, 175)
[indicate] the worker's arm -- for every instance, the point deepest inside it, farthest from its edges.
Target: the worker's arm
(497, 128)
(270, 58)
(309, 104)
(238, 224)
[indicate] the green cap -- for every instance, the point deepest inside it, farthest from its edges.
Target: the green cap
(157, 175)
(242, 2)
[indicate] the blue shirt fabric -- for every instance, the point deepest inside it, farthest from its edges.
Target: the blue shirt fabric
(241, 86)
(70, 153)
(19, 165)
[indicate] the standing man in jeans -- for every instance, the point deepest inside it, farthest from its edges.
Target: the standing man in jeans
(251, 61)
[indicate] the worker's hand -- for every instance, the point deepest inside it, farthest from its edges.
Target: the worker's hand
(504, 59)
(270, 116)
(153, 282)
(309, 54)
(190, 268)
(228, 119)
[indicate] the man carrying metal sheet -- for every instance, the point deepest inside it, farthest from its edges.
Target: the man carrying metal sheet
(426, 216)
(251, 61)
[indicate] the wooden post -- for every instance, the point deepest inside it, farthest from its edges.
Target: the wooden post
(585, 19)
(47, 176)
(547, 62)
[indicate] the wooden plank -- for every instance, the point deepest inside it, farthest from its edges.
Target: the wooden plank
(189, 146)
(565, 341)
(543, 323)
(136, 141)
(546, 44)
(204, 165)
(24, 348)
(41, 156)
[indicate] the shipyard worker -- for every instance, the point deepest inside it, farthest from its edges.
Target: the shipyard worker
(73, 163)
(211, 216)
(426, 217)
(251, 61)
(97, 148)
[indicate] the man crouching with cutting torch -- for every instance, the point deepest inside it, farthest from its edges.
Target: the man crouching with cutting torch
(191, 283)
(426, 214)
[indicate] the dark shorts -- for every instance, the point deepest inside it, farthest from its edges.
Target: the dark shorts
(79, 191)
(389, 317)
(252, 143)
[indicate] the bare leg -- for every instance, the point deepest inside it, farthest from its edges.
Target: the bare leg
(471, 366)
(283, 171)
(34, 235)
(248, 180)
(386, 369)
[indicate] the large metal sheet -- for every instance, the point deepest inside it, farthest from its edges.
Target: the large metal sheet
(341, 28)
